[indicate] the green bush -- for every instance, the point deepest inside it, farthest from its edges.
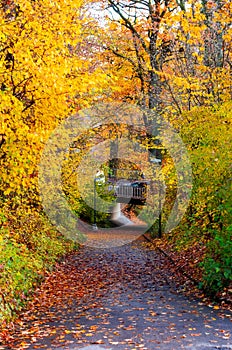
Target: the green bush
(26, 252)
(217, 265)
(207, 134)
(86, 212)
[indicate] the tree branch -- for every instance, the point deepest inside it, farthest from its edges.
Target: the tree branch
(128, 24)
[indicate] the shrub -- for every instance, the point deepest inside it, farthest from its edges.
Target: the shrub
(217, 265)
(28, 247)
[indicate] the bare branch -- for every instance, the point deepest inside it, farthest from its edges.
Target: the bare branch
(128, 24)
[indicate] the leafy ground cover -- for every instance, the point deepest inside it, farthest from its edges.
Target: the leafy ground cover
(127, 297)
(188, 263)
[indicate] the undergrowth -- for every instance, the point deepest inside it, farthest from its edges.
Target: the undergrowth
(29, 247)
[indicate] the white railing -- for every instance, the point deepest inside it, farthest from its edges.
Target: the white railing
(129, 191)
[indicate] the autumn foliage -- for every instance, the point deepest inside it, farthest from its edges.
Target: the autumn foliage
(57, 57)
(43, 80)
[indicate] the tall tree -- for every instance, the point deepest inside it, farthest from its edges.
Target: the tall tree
(148, 43)
(177, 52)
(43, 80)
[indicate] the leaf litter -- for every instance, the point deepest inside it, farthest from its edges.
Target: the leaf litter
(123, 298)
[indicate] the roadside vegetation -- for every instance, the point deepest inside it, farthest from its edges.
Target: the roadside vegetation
(57, 58)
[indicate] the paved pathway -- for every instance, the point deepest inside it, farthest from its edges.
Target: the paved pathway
(119, 298)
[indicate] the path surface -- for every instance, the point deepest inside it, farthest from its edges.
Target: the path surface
(119, 298)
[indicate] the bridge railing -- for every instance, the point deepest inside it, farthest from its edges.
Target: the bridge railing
(133, 190)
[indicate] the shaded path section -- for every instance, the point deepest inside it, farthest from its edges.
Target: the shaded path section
(119, 298)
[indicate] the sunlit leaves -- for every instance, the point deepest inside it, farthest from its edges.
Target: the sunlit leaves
(43, 80)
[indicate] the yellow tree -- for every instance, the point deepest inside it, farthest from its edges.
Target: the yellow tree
(146, 43)
(43, 80)
(198, 70)
(171, 55)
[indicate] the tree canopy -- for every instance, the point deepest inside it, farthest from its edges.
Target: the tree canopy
(170, 57)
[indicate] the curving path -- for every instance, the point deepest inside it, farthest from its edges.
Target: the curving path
(118, 298)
